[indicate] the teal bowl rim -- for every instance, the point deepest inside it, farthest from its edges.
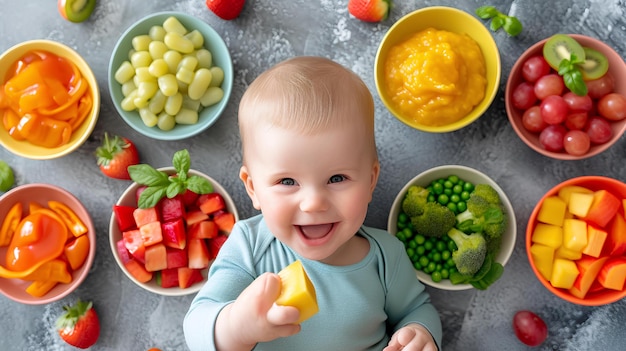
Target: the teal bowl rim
(209, 115)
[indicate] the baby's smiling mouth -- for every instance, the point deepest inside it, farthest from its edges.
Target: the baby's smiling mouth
(316, 231)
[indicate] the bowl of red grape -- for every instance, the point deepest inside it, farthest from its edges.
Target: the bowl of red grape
(565, 97)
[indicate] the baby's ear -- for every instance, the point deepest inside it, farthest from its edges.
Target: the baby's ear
(375, 174)
(245, 177)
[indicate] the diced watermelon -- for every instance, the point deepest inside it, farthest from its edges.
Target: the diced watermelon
(197, 254)
(225, 221)
(171, 209)
(210, 203)
(176, 258)
(188, 276)
(124, 217)
(215, 245)
(195, 216)
(138, 271)
(203, 230)
(156, 257)
(151, 233)
(134, 244)
(174, 234)
(169, 277)
(123, 252)
(145, 215)
(189, 198)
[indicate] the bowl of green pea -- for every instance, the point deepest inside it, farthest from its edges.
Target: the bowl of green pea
(457, 225)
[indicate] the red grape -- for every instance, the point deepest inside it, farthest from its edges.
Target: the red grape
(551, 84)
(532, 121)
(597, 88)
(530, 328)
(576, 142)
(577, 102)
(551, 138)
(612, 106)
(599, 130)
(535, 68)
(576, 120)
(553, 109)
(524, 96)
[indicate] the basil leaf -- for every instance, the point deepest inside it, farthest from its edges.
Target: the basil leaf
(199, 185)
(146, 175)
(486, 12)
(182, 163)
(496, 23)
(574, 81)
(174, 189)
(151, 196)
(512, 26)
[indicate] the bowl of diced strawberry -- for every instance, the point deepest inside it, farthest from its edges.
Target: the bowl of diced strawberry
(566, 97)
(168, 248)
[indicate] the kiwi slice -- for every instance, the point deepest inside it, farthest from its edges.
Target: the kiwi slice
(595, 65)
(79, 10)
(560, 47)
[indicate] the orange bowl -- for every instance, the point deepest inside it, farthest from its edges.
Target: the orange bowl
(15, 289)
(617, 69)
(594, 183)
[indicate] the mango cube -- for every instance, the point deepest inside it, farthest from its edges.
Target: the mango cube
(543, 257)
(548, 234)
(564, 273)
(566, 191)
(574, 234)
(595, 241)
(552, 210)
(297, 291)
(580, 203)
(563, 252)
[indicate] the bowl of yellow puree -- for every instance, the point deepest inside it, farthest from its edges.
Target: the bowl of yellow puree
(437, 69)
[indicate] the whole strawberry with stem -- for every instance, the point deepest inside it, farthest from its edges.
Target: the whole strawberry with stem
(369, 10)
(79, 325)
(115, 155)
(226, 9)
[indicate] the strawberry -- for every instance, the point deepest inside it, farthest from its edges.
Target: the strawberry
(369, 10)
(225, 9)
(79, 325)
(115, 155)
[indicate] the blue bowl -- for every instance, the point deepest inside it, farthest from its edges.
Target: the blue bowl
(212, 42)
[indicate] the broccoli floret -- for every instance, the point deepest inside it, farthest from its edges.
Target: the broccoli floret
(488, 193)
(435, 220)
(414, 200)
(471, 252)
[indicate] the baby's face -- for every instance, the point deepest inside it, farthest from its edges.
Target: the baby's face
(313, 190)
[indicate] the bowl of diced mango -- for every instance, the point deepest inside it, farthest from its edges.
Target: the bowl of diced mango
(576, 240)
(170, 76)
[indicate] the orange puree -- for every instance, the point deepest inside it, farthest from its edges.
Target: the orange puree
(436, 76)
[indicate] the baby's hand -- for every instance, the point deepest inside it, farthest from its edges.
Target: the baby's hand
(412, 337)
(254, 317)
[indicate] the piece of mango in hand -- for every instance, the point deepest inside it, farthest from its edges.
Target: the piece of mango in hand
(297, 291)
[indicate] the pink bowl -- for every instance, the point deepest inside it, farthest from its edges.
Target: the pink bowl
(601, 297)
(617, 69)
(15, 289)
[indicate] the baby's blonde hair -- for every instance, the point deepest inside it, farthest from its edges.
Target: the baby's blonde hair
(307, 94)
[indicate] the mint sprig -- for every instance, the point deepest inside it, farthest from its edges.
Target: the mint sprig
(160, 184)
(511, 25)
(572, 75)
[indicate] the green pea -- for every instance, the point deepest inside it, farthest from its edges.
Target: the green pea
(420, 239)
(448, 184)
(436, 257)
(443, 199)
(453, 178)
(412, 244)
(455, 198)
(400, 235)
(465, 195)
(452, 246)
(447, 191)
(461, 206)
(445, 274)
(410, 251)
(457, 189)
(437, 188)
(420, 250)
(452, 207)
(436, 276)
(469, 187)
(403, 218)
(432, 266)
(440, 245)
(408, 233)
(445, 255)
(417, 266)
(423, 261)
(7, 178)
(428, 245)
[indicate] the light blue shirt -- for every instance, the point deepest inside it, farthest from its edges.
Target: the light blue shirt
(360, 305)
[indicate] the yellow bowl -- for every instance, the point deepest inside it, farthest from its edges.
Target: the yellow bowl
(452, 20)
(25, 148)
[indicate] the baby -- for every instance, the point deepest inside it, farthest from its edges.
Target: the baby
(310, 166)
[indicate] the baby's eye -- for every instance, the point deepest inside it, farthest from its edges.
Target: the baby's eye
(337, 178)
(287, 181)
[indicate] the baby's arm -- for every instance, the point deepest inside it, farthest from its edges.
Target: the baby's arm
(412, 337)
(254, 317)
